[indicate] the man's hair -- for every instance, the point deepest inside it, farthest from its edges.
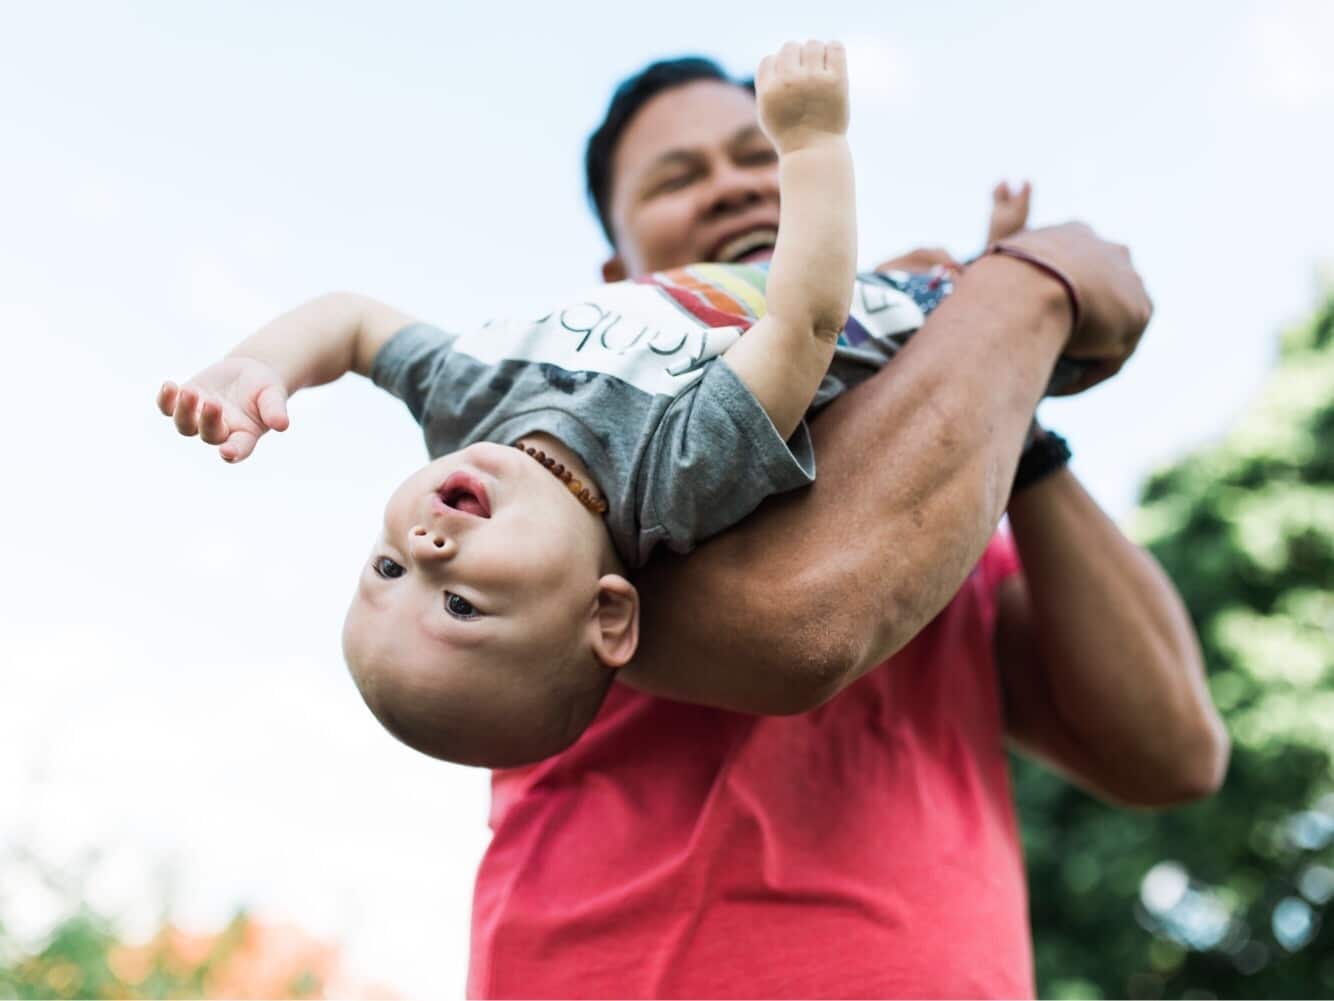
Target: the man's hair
(632, 94)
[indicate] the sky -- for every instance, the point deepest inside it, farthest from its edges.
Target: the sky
(174, 175)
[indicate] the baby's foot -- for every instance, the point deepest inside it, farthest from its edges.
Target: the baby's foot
(1009, 211)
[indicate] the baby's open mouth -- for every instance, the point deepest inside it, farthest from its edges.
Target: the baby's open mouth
(464, 492)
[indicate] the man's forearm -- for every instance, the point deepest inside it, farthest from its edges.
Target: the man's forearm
(915, 467)
(1120, 696)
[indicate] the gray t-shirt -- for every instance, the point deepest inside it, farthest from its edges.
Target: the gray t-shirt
(625, 377)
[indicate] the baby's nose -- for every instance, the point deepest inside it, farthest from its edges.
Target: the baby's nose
(431, 544)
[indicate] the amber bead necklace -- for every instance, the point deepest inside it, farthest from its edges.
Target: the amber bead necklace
(594, 503)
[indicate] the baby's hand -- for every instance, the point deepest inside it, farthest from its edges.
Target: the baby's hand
(229, 404)
(803, 94)
(1009, 211)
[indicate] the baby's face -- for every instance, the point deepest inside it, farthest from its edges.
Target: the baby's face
(485, 564)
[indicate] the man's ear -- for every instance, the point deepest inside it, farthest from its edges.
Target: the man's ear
(613, 269)
(615, 623)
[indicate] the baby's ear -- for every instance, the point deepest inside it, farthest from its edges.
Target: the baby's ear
(615, 623)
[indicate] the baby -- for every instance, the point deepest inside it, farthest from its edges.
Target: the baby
(495, 603)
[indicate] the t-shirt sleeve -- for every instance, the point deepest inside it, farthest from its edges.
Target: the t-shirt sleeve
(715, 455)
(410, 363)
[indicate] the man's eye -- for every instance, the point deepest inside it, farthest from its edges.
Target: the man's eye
(759, 157)
(673, 183)
(387, 568)
(460, 607)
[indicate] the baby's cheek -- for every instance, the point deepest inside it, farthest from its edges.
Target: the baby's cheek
(352, 638)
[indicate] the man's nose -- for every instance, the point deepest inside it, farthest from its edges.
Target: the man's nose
(736, 188)
(431, 544)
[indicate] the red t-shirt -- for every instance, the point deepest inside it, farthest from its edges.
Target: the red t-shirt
(866, 849)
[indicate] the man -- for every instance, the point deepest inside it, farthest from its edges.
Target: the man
(859, 839)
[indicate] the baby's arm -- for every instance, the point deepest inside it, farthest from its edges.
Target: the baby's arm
(803, 104)
(233, 402)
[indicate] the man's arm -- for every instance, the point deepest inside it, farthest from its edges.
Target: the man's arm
(774, 615)
(1099, 665)
(915, 467)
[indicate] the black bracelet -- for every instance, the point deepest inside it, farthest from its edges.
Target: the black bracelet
(1047, 453)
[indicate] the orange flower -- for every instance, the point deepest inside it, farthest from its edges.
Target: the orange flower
(249, 959)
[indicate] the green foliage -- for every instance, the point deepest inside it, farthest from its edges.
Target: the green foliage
(83, 955)
(72, 964)
(1230, 897)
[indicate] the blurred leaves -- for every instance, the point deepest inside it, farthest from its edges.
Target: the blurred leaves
(1229, 897)
(83, 956)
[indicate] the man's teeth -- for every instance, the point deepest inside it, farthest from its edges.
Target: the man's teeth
(739, 246)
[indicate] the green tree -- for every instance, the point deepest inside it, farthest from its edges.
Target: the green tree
(1229, 897)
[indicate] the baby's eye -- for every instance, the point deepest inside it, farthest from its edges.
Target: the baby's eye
(460, 607)
(387, 568)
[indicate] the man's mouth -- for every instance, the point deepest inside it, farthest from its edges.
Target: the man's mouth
(748, 247)
(463, 491)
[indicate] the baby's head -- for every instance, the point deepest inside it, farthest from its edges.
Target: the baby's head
(488, 617)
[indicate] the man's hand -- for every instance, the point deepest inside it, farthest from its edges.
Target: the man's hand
(1009, 211)
(802, 93)
(229, 404)
(1115, 306)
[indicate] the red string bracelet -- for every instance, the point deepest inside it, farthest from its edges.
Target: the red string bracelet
(1019, 253)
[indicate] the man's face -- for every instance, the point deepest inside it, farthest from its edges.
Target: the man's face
(693, 179)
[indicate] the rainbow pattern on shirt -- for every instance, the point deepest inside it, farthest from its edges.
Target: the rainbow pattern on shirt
(727, 295)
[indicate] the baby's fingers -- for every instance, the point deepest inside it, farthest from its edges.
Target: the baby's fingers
(764, 75)
(238, 446)
(187, 411)
(836, 58)
(272, 404)
(212, 425)
(166, 398)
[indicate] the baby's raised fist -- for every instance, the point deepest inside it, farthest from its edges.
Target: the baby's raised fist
(802, 92)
